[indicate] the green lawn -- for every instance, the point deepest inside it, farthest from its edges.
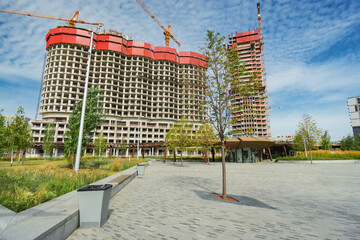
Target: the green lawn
(324, 155)
(23, 186)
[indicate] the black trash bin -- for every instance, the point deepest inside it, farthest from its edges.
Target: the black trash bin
(94, 205)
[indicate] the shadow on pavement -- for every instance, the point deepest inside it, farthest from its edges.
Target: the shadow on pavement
(242, 200)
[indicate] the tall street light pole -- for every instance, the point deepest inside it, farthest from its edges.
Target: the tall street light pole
(78, 150)
(138, 138)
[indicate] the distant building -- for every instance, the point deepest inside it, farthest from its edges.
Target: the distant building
(354, 108)
(285, 139)
(253, 116)
(10, 119)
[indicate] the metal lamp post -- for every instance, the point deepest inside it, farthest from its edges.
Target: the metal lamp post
(81, 130)
(138, 138)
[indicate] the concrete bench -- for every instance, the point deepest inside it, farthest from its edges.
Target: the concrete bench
(120, 179)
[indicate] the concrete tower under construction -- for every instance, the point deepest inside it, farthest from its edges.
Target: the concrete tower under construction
(252, 115)
(144, 88)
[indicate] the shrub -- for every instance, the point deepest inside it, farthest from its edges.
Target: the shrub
(324, 155)
(25, 188)
(116, 165)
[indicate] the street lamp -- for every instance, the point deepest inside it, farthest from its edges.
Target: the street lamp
(138, 138)
(78, 150)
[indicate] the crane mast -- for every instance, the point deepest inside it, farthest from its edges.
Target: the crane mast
(263, 72)
(167, 32)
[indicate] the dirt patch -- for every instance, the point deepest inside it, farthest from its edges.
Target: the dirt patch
(225, 199)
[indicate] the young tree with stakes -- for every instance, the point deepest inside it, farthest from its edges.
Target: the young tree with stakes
(326, 141)
(170, 143)
(48, 141)
(179, 137)
(122, 147)
(18, 135)
(308, 134)
(100, 144)
(205, 138)
(222, 84)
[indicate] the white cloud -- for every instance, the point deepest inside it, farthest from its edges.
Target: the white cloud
(294, 32)
(337, 75)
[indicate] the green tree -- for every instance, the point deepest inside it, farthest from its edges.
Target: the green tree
(179, 137)
(308, 134)
(18, 135)
(48, 140)
(93, 119)
(205, 138)
(2, 133)
(350, 143)
(326, 140)
(170, 143)
(100, 144)
(122, 147)
(222, 84)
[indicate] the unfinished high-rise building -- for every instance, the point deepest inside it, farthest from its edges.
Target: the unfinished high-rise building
(251, 111)
(144, 88)
(354, 113)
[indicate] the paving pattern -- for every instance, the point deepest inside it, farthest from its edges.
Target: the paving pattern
(276, 201)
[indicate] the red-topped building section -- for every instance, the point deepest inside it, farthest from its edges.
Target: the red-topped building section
(251, 35)
(120, 44)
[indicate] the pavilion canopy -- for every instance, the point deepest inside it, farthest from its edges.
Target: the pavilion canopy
(248, 142)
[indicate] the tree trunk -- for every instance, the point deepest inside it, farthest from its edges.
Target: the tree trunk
(18, 155)
(213, 154)
(133, 151)
(11, 158)
(310, 155)
(174, 155)
(165, 154)
(205, 155)
(285, 151)
(24, 152)
(181, 159)
(270, 154)
(223, 168)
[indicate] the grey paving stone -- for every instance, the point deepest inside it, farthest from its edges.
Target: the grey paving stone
(276, 201)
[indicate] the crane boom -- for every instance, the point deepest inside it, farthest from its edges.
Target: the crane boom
(167, 31)
(70, 21)
(151, 15)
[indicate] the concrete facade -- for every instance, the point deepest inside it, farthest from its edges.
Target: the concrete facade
(253, 113)
(145, 89)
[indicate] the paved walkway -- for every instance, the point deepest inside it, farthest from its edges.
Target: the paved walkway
(276, 201)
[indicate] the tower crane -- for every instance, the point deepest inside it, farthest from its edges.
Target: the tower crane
(261, 43)
(167, 32)
(71, 22)
(263, 72)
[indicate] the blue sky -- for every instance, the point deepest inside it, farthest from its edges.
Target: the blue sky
(312, 48)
